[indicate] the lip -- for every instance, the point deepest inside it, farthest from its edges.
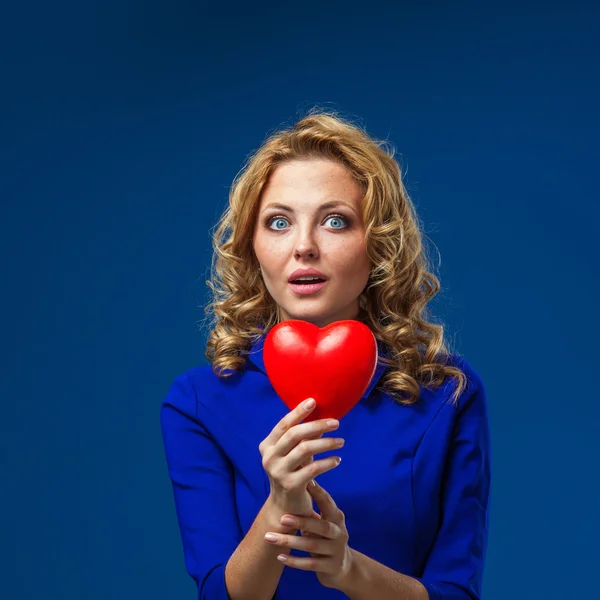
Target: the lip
(307, 288)
(305, 273)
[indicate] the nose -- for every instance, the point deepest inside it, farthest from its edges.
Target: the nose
(305, 246)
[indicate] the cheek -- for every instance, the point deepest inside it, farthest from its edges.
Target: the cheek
(352, 256)
(263, 248)
(271, 256)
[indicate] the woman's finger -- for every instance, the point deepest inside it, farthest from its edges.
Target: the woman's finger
(326, 504)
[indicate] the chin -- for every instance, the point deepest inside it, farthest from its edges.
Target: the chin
(316, 319)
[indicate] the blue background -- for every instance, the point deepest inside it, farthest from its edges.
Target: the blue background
(122, 125)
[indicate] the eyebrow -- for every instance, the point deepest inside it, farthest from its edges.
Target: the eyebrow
(331, 204)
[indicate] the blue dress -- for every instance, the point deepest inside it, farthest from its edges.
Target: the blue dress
(414, 482)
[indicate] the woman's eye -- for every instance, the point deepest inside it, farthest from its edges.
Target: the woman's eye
(337, 218)
(279, 220)
(276, 220)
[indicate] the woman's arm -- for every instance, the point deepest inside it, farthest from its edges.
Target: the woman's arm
(225, 564)
(454, 568)
(371, 579)
(253, 571)
(456, 560)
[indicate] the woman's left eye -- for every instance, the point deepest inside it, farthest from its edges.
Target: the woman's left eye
(337, 218)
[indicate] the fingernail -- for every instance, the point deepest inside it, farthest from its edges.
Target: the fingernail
(309, 403)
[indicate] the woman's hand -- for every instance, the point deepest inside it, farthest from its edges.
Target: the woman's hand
(325, 538)
(287, 457)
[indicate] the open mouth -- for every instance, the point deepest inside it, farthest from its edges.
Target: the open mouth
(307, 281)
(304, 287)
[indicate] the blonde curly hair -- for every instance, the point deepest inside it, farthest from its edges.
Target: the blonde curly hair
(393, 303)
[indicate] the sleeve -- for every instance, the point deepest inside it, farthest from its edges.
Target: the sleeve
(203, 491)
(454, 567)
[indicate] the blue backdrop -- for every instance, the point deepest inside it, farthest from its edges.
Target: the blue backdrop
(122, 125)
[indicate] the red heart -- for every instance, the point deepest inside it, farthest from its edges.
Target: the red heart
(333, 364)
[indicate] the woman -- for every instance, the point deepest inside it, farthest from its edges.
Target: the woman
(406, 514)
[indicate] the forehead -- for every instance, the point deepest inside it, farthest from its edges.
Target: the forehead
(311, 181)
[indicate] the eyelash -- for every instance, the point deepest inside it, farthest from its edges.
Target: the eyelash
(270, 220)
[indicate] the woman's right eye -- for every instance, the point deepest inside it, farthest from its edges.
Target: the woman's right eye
(275, 220)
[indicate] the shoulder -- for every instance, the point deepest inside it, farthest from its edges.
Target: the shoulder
(196, 376)
(474, 383)
(467, 368)
(183, 390)
(201, 383)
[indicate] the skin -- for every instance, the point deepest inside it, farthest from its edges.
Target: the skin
(309, 236)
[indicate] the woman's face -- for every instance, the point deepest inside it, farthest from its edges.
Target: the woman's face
(300, 233)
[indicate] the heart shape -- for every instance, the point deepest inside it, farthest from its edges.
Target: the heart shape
(332, 364)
